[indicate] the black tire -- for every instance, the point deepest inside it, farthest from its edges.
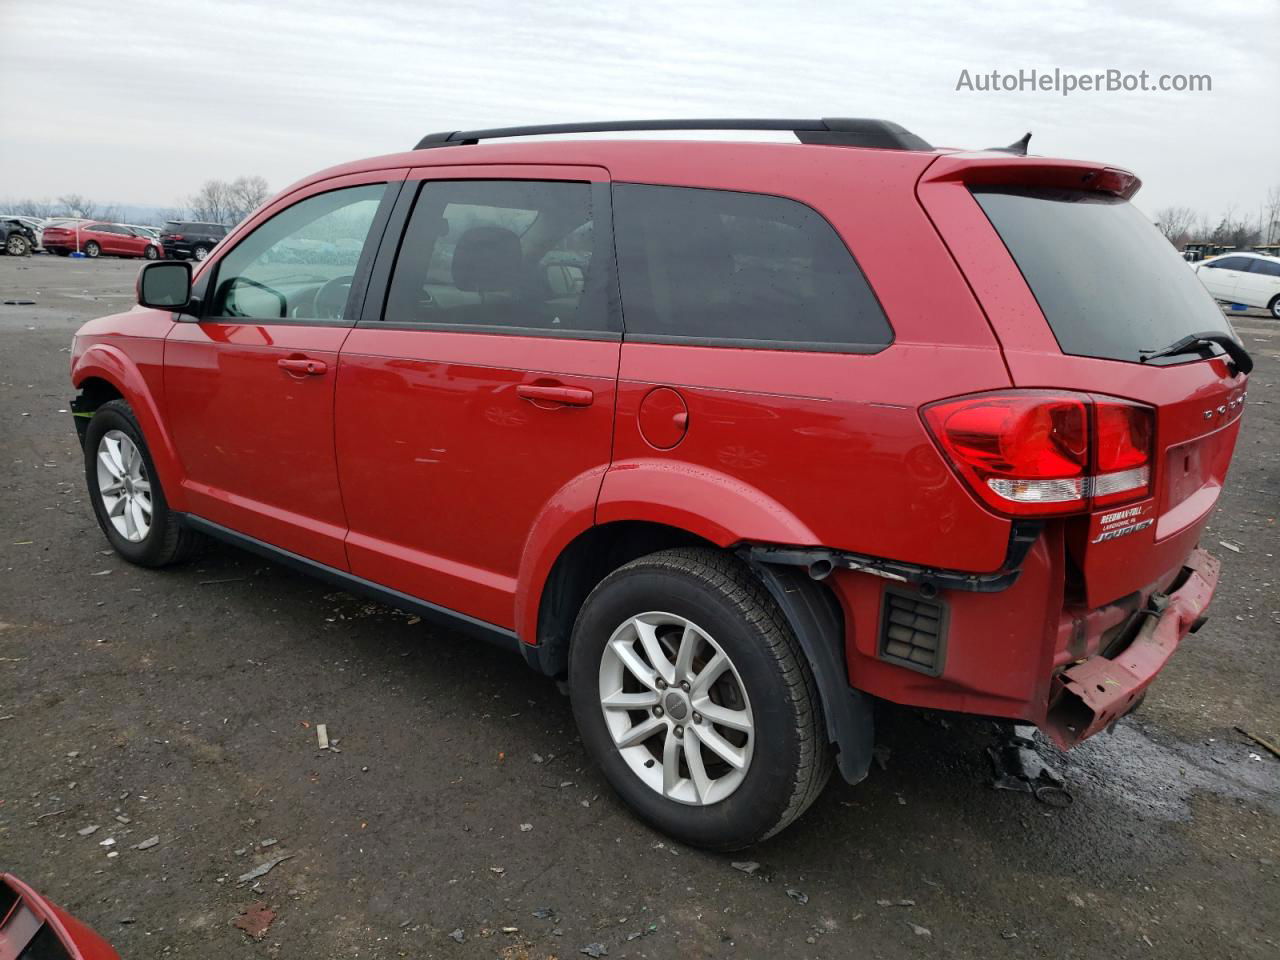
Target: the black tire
(167, 541)
(150, 253)
(17, 246)
(1274, 307)
(199, 252)
(791, 760)
(91, 249)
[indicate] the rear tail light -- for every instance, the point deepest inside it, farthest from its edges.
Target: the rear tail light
(1043, 453)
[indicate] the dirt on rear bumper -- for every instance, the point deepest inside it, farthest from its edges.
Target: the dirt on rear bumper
(1096, 692)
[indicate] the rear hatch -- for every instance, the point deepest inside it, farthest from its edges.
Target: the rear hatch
(1080, 286)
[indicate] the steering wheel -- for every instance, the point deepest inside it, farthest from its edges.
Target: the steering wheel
(331, 298)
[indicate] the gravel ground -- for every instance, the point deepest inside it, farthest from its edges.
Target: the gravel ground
(458, 804)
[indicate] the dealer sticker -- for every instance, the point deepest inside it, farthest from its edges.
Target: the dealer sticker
(1120, 523)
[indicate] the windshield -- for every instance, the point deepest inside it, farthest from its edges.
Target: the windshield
(1110, 285)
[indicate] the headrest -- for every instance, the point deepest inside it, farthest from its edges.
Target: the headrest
(487, 259)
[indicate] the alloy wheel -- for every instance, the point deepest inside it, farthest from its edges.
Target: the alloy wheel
(124, 486)
(676, 708)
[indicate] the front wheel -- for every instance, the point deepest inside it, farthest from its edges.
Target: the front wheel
(1274, 307)
(17, 245)
(91, 249)
(201, 252)
(151, 253)
(692, 694)
(126, 494)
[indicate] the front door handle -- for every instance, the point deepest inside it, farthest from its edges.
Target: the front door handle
(303, 365)
(547, 393)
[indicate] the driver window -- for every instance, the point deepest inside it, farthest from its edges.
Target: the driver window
(298, 265)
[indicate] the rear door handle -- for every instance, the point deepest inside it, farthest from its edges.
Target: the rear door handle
(546, 393)
(304, 365)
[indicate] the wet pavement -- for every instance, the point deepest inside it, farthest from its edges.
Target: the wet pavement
(185, 703)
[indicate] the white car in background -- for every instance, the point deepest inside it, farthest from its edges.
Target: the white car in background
(1252, 279)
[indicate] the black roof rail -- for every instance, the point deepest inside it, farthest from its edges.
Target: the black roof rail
(832, 131)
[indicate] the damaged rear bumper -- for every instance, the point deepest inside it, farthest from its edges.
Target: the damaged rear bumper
(1094, 693)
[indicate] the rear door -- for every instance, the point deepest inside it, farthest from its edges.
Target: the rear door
(1079, 286)
(249, 388)
(1221, 276)
(1260, 284)
(477, 396)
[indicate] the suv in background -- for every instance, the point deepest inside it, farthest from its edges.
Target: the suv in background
(1249, 279)
(190, 239)
(735, 439)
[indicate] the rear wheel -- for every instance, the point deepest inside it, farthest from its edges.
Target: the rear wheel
(91, 249)
(17, 245)
(693, 696)
(126, 494)
(1274, 307)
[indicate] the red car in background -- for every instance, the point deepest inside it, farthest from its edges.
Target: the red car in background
(96, 239)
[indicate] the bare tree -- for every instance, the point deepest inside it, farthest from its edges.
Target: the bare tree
(247, 194)
(210, 203)
(28, 207)
(1271, 216)
(1176, 224)
(219, 201)
(77, 205)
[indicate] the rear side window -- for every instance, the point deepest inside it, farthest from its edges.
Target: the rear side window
(1268, 268)
(495, 256)
(1106, 280)
(740, 269)
(1228, 263)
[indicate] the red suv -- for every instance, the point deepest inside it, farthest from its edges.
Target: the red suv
(735, 438)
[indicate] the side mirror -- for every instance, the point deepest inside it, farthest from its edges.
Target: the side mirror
(165, 284)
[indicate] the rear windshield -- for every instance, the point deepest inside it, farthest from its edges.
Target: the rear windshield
(1107, 281)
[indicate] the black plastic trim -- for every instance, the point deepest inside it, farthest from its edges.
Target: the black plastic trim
(802, 346)
(452, 619)
(818, 622)
(944, 623)
(821, 561)
(831, 131)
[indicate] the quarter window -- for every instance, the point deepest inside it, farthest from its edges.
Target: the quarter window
(1229, 263)
(1268, 268)
(300, 263)
(741, 269)
(501, 256)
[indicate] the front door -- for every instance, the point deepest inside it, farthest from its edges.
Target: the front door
(249, 388)
(480, 396)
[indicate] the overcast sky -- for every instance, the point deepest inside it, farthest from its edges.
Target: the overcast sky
(139, 102)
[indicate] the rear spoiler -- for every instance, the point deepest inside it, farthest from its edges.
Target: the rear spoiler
(995, 168)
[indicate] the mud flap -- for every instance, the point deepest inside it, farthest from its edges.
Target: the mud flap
(818, 622)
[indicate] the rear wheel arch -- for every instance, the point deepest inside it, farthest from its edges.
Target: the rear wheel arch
(811, 609)
(580, 566)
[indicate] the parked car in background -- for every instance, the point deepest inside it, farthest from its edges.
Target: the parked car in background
(735, 439)
(17, 239)
(35, 223)
(141, 230)
(1251, 279)
(95, 239)
(190, 239)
